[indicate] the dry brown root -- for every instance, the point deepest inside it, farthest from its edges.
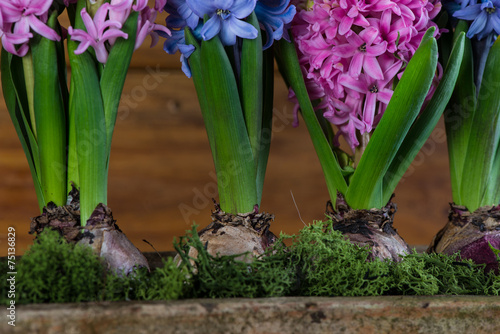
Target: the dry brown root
(101, 233)
(471, 234)
(372, 228)
(230, 234)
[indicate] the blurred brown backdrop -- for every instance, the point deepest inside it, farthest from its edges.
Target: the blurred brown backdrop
(162, 179)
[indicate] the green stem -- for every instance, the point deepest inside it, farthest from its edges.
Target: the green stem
(363, 143)
(29, 79)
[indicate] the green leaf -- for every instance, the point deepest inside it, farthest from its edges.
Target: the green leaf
(251, 86)
(484, 135)
(289, 67)
(459, 115)
(115, 72)
(426, 122)
(492, 195)
(195, 65)
(365, 187)
(14, 92)
(86, 106)
(233, 157)
(50, 115)
(267, 120)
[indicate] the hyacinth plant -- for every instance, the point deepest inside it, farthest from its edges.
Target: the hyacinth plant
(368, 68)
(473, 135)
(226, 46)
(66, 133)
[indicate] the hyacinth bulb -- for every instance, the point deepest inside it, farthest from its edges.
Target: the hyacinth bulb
(370, 228)
(100, 233)
(246, 234)
(471, 234)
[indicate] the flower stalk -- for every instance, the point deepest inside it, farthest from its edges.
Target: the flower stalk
(29, 80)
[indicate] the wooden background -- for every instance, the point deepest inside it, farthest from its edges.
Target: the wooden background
(162, 179)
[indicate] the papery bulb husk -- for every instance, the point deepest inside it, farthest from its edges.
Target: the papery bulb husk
(247, 234)
(470, 234)
(372, 228)
(100, 233)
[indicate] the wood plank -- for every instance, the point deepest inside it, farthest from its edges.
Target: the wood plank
(162, 175)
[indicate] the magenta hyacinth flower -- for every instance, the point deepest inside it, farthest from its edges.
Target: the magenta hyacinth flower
(351, 51)
(20, 17)
(364, 50)
(99, 30)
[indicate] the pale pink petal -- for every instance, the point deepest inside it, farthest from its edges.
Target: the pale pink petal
(89, 23)
(42, 29)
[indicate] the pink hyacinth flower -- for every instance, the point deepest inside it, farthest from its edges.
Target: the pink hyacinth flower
(374, 90)
(99, 30)
(19, 18)
(364, 49)
(120, 10)
(10, 40)
(147, 26)
(350, 51)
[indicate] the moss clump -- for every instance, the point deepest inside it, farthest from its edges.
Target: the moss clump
(163, 283)
(224, 276)
(431, 274)
(319, 262)
(54, 271)
(329, 265)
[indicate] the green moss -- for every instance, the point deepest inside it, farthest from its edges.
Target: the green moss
(329, 265)
(163, 283)
(224, 276)
(430, 274)
(319, 262)
(54, 271)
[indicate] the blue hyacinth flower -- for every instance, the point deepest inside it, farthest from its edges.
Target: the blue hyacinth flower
(485, 17)
(225, 19)
(180, 15)
(274, 16)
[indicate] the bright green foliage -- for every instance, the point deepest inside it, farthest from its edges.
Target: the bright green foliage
(430, 274)
(163, 283)
(224, 276)
(473, 127)
(66, 135)
(234, 89)
(54, 271)
(399, 135)
(329, 265)
(320, 262)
